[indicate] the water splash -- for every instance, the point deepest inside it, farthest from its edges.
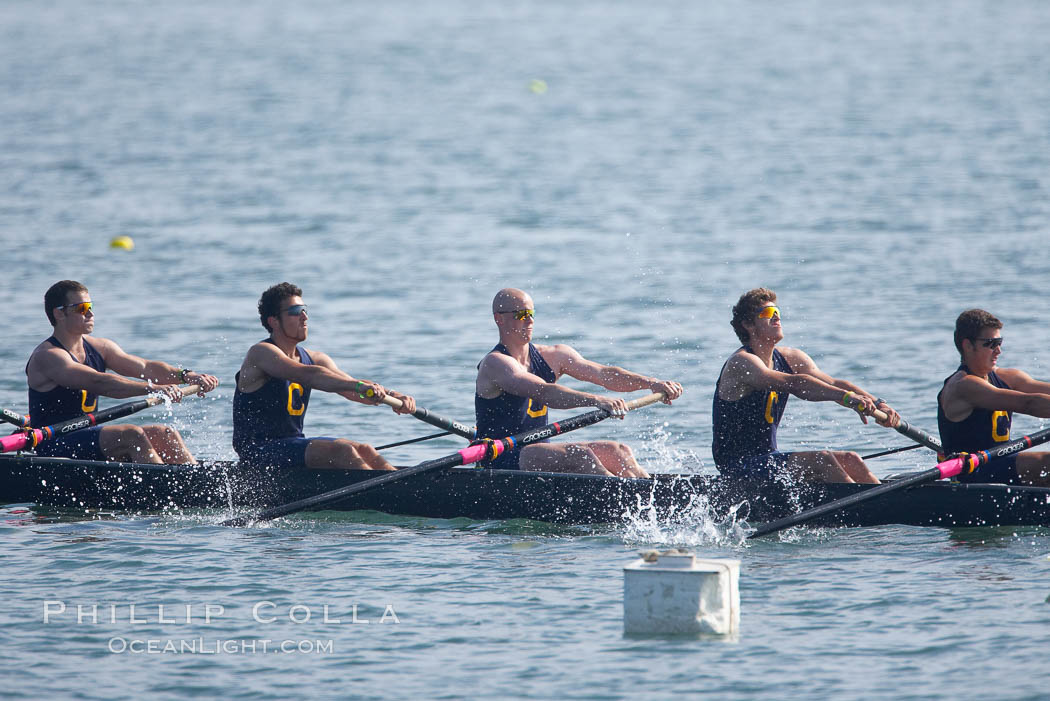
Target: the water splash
(696, 523)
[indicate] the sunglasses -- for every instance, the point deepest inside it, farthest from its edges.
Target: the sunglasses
(768, 312)
(80, 307)
(295, 310)
(990, 342)
(522, 314)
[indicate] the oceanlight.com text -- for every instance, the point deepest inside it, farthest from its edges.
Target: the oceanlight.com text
(218, 646)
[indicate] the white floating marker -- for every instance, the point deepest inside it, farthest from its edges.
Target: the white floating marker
(675, 592)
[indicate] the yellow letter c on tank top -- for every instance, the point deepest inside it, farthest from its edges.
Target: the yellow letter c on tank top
(542, 411)
(770, 401)
(83, 402)
(998, 436)
(295, 399)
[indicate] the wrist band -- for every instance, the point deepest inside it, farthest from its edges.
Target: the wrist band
(845, 399)
(183, 374)
(358, 389)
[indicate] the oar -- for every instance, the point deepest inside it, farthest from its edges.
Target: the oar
(13, 417)
(466, 456)
(433, 419)
(949, 468)
(912, 432)
(420, 440)
(32, 437)
(891, 451)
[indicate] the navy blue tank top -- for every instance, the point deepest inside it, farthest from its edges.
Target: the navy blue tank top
(981, 430)
(62, 403)
(509, 414)
(748, 426)
(275, 410)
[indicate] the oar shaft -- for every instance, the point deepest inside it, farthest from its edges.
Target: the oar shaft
(972, 461)
(466, 456)
(33, 437)
(912, 432)
(946, 469)
(846, 502)
(414, 440)
(13, 417)
(891, 451)
(434, 419)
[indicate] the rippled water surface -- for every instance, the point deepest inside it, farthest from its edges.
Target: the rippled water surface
(881, 165)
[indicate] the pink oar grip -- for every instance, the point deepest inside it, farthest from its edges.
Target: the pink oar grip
(951, 468)
(473, 453)
(15, 441)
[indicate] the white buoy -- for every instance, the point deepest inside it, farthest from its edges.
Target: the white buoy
(675, 592)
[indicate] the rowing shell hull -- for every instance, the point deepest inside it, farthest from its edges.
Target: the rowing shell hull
(501, 494)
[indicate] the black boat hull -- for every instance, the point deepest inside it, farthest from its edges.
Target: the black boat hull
(501, 494)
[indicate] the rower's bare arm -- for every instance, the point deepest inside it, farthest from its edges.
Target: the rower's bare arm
(161, 373)
(54, 367)
(973, 391)
(844, 391)
(611, 377)
(364, 391)
(1023, 382)
(745, 371)
(266, 359)
(504, 374)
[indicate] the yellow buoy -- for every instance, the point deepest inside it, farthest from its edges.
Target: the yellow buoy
(538, 86)
(123, 242)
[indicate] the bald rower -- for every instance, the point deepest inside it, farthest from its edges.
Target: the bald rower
(516, 386)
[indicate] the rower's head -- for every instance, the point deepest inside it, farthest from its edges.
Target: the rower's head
(756, 315)
(68, 305)
(979, 339)
(513, 312)
(282, 312)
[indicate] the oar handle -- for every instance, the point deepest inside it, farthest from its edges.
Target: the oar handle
(433, 419)
(645, 401)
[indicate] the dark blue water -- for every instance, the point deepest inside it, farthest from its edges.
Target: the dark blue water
(881, 165)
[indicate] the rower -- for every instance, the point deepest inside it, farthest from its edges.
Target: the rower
(976, 404)
(66, 374)
(273, 392)
(516, 386)
(752, 392)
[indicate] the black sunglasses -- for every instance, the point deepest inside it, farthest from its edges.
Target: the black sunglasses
(295, 310)
(991, 342)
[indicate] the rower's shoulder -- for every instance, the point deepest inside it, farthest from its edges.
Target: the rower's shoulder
(557, 351)
(794, 354)
(1012, 375)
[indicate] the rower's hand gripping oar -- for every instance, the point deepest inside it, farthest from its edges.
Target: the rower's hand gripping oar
(433, 419)
(32, 437)
(967, 462)
(466, 456)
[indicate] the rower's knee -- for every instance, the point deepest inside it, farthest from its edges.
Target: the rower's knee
(583, 453)
(131, 435)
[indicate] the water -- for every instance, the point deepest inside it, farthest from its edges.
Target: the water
(881, 165)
